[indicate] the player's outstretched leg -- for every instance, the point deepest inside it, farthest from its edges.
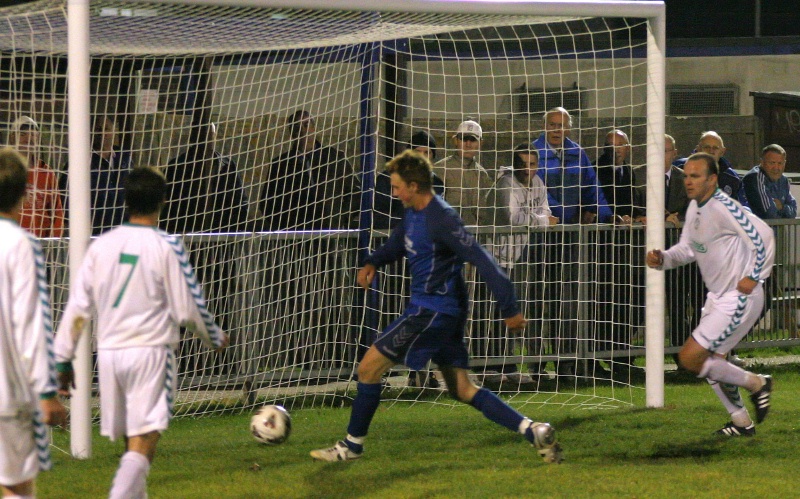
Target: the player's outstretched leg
(365, 404)
(541, 435)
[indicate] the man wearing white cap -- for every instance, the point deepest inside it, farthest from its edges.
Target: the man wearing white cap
(465, 180)
(42, 211)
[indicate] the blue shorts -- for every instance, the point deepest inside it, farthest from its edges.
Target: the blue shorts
(420, 335)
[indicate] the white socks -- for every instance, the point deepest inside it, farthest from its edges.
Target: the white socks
(130, 482)
(718, 369)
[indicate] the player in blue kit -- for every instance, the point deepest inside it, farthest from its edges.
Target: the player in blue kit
(433, 238)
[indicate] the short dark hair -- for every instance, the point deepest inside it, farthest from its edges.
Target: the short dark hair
(413, 166)
(711, 162)
(295, 120)
(13, 178)
(145, 191)
(524, 148)
(773, 148)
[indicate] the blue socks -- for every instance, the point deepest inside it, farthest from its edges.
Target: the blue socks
(494, 409)
(364, 406)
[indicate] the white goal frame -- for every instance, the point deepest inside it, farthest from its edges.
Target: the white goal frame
(654, 12)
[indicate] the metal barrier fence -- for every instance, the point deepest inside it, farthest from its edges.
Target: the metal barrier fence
(290, 304)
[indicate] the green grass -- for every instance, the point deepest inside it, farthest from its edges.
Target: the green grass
(426, 451)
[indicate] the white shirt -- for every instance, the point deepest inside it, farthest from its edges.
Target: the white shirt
(27, 369)
(516, 205)
(140, 283)
(727, 241)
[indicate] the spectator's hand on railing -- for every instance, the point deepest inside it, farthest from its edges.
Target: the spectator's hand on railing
(672, 218)
(622, 220)
(553, 220)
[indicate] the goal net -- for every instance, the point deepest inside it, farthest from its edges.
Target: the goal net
(273, 126)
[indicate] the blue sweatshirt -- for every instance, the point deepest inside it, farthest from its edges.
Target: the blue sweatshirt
(761, 193)
(436, 244)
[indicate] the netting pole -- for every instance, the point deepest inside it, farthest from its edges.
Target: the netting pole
(79, 223)
(654, 338)
(367, 147)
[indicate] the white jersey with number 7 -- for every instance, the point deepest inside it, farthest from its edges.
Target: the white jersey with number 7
(139, 283)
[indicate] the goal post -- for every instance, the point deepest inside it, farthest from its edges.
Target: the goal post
(273, 121)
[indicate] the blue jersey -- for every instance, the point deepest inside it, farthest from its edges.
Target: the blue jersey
(436, 244)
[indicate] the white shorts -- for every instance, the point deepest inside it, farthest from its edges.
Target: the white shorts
(136, 390)
(727, 319)
(18, 460)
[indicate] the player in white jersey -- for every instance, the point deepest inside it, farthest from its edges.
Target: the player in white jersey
(735, 251)
(27, 370)
(139, 283)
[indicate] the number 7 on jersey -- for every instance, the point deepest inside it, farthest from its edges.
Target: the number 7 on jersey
(126, 259)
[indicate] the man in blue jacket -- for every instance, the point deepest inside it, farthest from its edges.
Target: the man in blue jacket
(767, 188)
(573, 193)
(574, 197)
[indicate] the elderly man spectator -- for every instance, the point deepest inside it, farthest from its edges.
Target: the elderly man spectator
(675, 198)
(615, 176)
(574, 197)
(729, 181)
(678, 281)
(465, 180)
(311, 186)
(42, 211)
(767, 188)
(573, 192)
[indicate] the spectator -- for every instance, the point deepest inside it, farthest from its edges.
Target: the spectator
(574, 197)
(767, 188)
(615, 176)
(27, 373)
(465, 185)
(311, 186)
(42, 211)
(465, 180)
(677, 281)
(108, 172)
(729, 181)
(206, 193)
(388, 209)
(675, 199)
(519, 199)
(620, 281)
(573, 192)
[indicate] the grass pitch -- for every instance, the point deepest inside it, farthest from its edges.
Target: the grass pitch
(431, 451)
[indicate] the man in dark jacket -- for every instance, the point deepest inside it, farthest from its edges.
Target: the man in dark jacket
(310, 186)
(729, 181)
(205, 192)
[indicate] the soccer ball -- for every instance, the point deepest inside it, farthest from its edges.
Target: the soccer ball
(271, 424)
